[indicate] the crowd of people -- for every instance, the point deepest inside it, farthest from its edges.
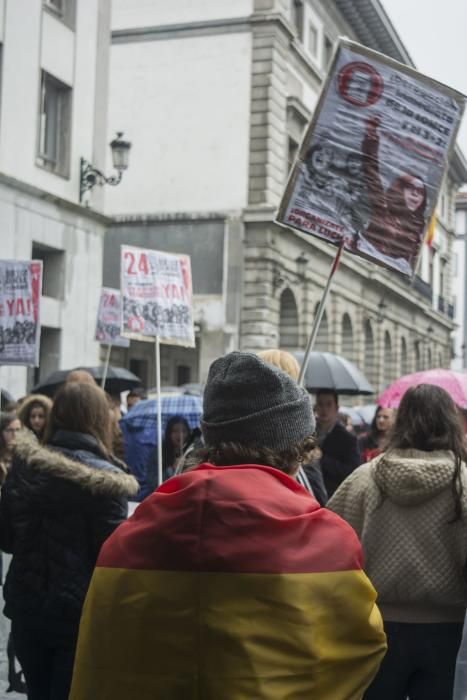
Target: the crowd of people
(282, 556)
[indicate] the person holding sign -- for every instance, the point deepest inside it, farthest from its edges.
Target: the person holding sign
(398, 215)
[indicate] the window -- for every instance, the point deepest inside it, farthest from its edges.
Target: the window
(297, 17)
(183, 375)
(54, 125)
(431, 263)
(53, 262)
(312, 39)
(328, 49)
(442, 278)
(63, 9)
(291, 153)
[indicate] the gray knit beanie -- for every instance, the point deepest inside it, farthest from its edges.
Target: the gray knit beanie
(248, 401)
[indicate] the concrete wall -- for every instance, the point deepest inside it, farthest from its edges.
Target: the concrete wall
(27, 220)
(184, 104)
(75, 57)
(152, 13)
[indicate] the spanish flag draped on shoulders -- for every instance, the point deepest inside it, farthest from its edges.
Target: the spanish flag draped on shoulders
(231, 583)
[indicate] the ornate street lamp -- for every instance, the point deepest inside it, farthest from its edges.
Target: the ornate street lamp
(91, 176)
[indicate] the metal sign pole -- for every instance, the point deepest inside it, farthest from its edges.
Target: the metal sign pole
(159, 410)
(319, 313)
(106, 366)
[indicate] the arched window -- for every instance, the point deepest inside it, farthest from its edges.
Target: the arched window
(322, 339)
(370, 358)
(347, 338)
(387, 359)
(418, 356)
(288, 321)
(404, 358)
(429, 358)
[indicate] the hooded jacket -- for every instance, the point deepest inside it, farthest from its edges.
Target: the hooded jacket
(229, 583)
(58, 505)
(401, 506)
(25, 408)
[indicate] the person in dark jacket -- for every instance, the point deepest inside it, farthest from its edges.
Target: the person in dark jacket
(60, 502)
(338, 449)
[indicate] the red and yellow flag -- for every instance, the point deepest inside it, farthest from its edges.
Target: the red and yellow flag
(229, 583)
(430, 232)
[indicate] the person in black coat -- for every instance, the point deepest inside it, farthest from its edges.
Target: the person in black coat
(338, 449)
(60, 502)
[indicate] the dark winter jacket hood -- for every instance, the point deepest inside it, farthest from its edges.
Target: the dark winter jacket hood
(77, 458)
(409, 477)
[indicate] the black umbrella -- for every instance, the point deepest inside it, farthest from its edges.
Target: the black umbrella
(328, 371)
(118, 380)
(5, 397)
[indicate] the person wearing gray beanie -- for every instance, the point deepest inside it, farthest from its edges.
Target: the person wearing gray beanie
(253, 403)
(231, 570)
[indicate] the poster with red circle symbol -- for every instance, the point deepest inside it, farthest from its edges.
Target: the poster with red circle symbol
(373, 158)
(20, 298)
(157, 297)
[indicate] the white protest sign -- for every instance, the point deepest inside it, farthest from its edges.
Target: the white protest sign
(20, 296)
(109, 316)
(373, 158)
(157, 298)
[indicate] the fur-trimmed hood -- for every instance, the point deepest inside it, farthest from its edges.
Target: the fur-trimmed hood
(87, 470)
(25, 408)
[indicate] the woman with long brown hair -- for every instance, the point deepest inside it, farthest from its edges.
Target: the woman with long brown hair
(59, 503)
(408, 506)
(34, 412)
(9, 429)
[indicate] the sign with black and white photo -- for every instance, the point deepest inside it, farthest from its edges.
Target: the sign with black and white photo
(157, 298)
(20, 297)
(373, 158)
(109, 317)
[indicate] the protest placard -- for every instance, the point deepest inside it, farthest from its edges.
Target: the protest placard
(20, 295)
(373, 158)
(157, 297)
(109, 316)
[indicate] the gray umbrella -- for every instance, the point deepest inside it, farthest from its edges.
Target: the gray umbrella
(328, 371)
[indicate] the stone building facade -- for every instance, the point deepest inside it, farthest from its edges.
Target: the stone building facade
(223, 92)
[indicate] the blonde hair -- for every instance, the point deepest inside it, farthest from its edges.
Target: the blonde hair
(80, 376)
(282, 359)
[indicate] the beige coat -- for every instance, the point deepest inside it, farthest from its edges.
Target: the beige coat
(400, 505)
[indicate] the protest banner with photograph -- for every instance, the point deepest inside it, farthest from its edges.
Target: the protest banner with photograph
(372, 161)
(20, 296)
(109, 317)
(157, 298)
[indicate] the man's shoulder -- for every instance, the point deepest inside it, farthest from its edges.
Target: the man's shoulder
(340, 432)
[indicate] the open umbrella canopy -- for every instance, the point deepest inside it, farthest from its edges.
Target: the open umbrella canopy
(455, 383)
(328, 371)
(118, 380)
(143, 415)
(5, 398)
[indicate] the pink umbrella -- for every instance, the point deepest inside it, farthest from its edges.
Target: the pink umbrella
(455, 383)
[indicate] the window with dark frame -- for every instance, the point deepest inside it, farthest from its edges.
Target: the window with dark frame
(64, 10)
(312, 39)
(328, 49)
(297, 17)
(54, 125)
(53, 262)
